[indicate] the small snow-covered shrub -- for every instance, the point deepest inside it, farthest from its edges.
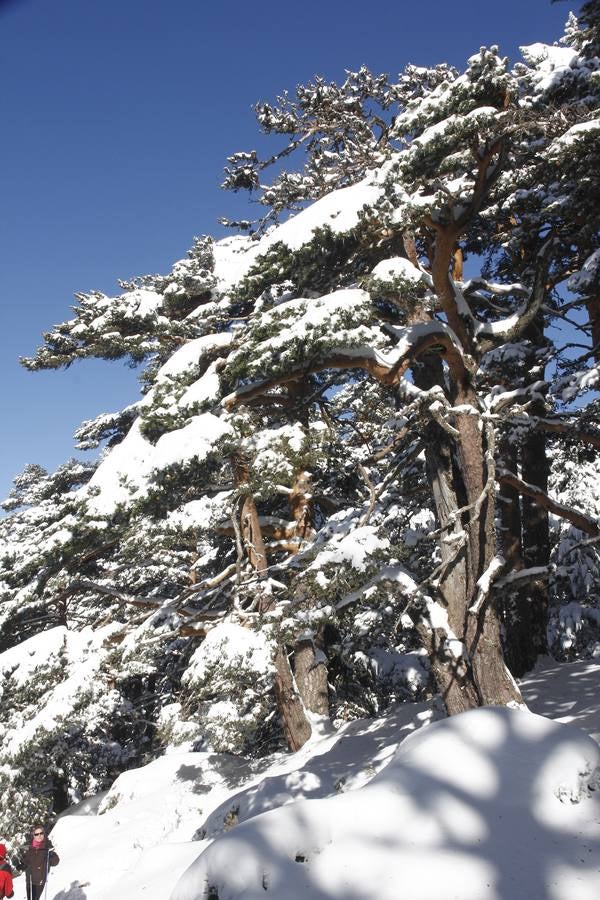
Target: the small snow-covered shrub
(228, 684)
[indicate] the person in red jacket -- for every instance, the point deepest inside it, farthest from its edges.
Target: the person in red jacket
(37, 860)
(6, 882)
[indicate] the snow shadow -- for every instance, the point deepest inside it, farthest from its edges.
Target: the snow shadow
(232, 771)
(349, 760)
(73, 892)
(461, 812)
(576, 684)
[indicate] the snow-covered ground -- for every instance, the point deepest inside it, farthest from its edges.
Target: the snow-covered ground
(494, 804)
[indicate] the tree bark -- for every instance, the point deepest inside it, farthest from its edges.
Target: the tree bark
(296, 726)
(458, 472)
(513, 613)
(593, 308)
(536, 546)
(310, 672)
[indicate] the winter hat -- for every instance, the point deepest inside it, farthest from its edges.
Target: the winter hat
(2, 851)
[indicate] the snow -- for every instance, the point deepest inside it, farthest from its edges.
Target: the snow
(240, 646)
(550, 62)
(498, 798)
(588, 275)
(574, 134)
(567, 692)
(79, 653)
(125, 473)
(195, 439)
(338, 210)
(486, 794)
(353, 549)
(189, 354)
(398, 267)
(199, 513)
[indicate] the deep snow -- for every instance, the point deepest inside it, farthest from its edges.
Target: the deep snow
(491, 805)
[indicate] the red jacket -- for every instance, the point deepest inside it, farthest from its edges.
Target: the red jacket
(6, 882)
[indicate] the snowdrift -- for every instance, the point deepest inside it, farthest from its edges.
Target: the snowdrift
(494, 803)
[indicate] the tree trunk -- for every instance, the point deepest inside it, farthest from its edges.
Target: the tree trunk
(536, 546)
(593, 308)
(516, 638)
(310, 672)
(296, 726)
(458, 477)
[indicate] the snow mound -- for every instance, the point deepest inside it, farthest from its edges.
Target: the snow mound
(135, 841)
(499, 798)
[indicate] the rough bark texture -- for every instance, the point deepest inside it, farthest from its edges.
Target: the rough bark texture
(593, 308)
(310, 672)
(296, 726)
(459, 477)
(483, 677)
(536, 547)
(513, 602)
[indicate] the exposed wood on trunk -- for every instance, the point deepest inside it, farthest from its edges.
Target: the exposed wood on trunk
(301, 505)
(457, 265)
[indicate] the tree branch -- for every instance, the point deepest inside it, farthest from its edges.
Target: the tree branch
(581, 521)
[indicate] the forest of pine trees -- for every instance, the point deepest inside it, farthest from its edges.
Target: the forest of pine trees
(364, 465)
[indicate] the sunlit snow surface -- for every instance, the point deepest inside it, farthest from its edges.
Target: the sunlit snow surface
(491, 805)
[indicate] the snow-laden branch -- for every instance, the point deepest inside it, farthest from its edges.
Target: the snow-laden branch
(388, 368)
(515, 580)
(498, 399)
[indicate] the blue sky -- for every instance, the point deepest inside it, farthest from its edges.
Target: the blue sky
(117, 117)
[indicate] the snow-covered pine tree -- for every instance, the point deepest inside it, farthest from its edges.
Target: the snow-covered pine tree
(310, 499)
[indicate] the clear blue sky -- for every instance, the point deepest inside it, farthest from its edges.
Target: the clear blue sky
(117, 116)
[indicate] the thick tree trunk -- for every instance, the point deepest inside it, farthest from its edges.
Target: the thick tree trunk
(458, 476)
(310, 672)
(536, 547)
(296, 726)
(516, 639)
